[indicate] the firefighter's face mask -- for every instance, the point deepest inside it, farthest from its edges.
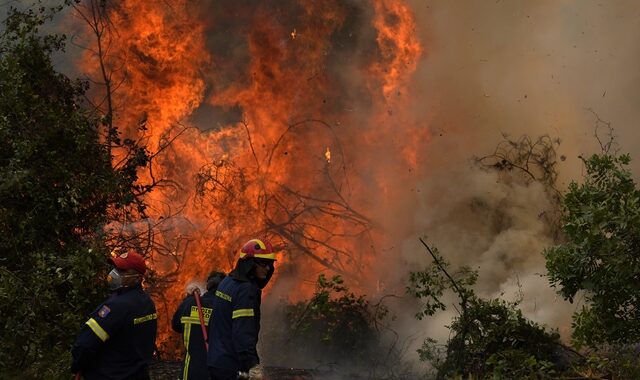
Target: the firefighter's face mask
(114, 279)
(117, 279)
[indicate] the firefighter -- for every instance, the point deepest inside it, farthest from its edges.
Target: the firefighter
(236, 315)
(186, 320)
(118, 339)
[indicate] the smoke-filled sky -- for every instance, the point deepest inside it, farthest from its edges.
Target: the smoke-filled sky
(531, 67)
(516, 67)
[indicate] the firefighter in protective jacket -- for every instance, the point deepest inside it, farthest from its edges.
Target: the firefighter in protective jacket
(236, 315)
(118, 339)
(186, 320)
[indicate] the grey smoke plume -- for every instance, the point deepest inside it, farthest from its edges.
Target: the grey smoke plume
(518, 68)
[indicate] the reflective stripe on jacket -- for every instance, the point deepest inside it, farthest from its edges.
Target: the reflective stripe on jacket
(234, 335)
(186, 321)
(118, 339)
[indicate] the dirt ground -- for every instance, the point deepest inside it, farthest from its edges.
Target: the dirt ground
(170, 370)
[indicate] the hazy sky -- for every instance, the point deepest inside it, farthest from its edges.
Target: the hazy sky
(516, 67)
(533, 67)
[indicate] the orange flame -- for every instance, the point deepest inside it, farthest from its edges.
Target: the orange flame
(273, 99)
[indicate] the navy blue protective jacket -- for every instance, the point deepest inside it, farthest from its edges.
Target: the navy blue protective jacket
(186, 321)
(118, 339)
(234, 333)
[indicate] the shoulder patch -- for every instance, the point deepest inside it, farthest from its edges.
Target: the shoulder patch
(104, 311)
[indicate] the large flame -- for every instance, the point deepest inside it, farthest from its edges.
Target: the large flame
(267, 118)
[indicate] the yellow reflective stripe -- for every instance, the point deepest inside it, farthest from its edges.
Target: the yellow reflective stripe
(97, 329)
(192, 321)
(260, 243)
(268, 256)
(186, 334)
(145, 318)
(225, 297)
(187, 359)
(242, 313)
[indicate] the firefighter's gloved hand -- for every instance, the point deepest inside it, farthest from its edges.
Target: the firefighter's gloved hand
(256, 373)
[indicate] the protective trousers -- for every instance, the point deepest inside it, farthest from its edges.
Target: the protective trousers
(222, 374)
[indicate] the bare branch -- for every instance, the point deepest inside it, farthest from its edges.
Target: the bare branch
(606, 146)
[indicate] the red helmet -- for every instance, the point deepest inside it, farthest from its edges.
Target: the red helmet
(128, 260)
(257, 248)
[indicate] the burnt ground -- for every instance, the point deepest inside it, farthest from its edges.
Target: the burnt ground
(169, 370)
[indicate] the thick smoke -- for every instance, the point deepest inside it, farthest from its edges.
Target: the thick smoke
(517, 68)
(533, 68)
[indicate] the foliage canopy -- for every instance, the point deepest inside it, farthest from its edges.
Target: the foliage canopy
(57, 185)
(335, 321)
(600, 258)
(488, 338)
(338, 328)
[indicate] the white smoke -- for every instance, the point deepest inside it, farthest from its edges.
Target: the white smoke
(517, 68)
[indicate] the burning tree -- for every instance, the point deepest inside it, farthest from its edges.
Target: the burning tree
(297, 215)
(247, 112)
